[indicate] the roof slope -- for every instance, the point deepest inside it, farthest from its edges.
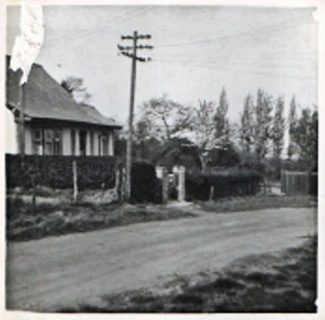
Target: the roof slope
(44, 98)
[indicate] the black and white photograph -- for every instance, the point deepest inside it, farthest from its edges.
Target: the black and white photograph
(161, 158)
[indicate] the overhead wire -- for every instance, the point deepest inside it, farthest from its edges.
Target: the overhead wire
(116, 20)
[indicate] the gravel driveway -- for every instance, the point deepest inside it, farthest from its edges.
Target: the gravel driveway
(57, 272)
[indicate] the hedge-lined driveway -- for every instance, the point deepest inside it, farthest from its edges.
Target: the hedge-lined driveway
(61, 272)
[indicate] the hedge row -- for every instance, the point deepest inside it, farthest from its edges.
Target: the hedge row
(56, 171)
(225, 184)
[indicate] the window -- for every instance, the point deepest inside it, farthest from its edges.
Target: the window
(105, 144)
(37, 141)
(82, 142)
(91, 135)
(47, 141)
(57, 142)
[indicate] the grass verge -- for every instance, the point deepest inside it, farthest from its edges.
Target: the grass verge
(25, 223)
(258, 202)
(284, 282)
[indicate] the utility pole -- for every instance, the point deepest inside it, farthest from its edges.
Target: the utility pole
(131, 52)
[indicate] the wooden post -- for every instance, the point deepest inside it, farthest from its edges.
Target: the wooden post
(165, 185)
(75, 180)
(211, 193)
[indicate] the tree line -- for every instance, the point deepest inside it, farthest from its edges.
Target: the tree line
(259, 134)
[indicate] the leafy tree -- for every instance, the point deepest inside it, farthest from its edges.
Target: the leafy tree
(292, 119)
(168, 119)
(74, 86)
(263, 121)
(278, 128)
(220, 118)
(305, 136)
(246, 130)
(204, 129)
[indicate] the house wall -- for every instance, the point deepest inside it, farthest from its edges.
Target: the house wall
(11, 132)
(28, 139)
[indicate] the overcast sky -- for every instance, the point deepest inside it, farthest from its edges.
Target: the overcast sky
(197, 51)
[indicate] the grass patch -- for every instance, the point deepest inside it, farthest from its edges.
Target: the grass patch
(26, 223)
(283, 282)
(258, 203)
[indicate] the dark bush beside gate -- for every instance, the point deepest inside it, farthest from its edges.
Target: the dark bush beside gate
(226, 184)
(145, 187)
(56, 171)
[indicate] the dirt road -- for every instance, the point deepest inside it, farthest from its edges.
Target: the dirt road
(58, 272)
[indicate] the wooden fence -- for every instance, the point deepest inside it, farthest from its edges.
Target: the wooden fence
(295, 183)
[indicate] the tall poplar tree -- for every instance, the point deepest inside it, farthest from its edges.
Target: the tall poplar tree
(278, 128)
(292, 119)
(246, 130)
(263, 122)
(222, 129)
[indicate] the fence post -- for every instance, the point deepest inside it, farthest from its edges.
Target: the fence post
(211, 194)
(181, 184)
(165, 185)
(75, 180)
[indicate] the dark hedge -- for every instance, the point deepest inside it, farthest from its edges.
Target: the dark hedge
(313, 184)
(145, 186)
(56, 171)
(226, 184)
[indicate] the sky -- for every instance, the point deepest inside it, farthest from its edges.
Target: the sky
(197, 51)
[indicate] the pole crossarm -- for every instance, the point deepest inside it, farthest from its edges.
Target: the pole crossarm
(123, 48)
(130, 55)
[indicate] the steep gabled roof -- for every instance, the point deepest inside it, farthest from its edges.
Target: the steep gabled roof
(44, 98)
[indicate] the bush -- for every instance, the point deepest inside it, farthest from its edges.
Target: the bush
(56, 171)
(145, 187)
(225, 183)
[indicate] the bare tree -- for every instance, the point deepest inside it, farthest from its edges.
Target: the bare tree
(74, 86)
(168, 119)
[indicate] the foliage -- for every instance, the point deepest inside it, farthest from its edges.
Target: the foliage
(74, 86)
(305, 135)
(164, 118)
(204, 129)
(234, 183)
(56, 171)
(278, 128)
(145, 185)
(263, 121)
(246, 131)
(220, 118)
(292, 119)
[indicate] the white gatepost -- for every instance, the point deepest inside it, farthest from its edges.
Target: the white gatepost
(181, 184)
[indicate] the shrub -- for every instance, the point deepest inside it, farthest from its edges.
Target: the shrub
(225, 183)
(145, 186)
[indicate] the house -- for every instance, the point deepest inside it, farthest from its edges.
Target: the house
(55, 124)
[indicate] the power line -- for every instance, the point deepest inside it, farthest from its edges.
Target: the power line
(118, 19)
(236, 70)
(252, 32)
